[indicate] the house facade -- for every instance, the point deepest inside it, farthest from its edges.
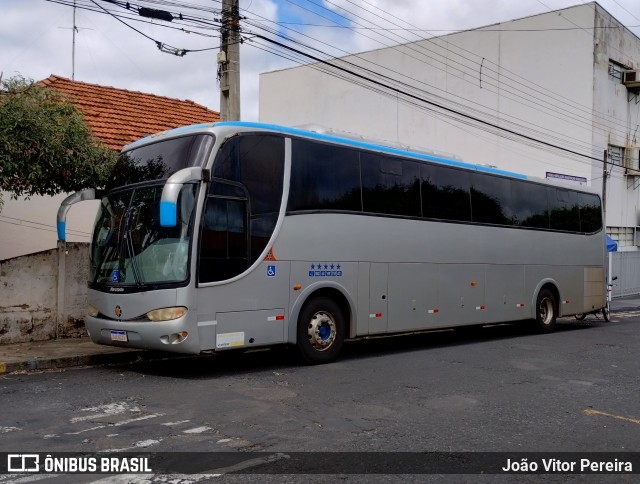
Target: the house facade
(544, 95)
(117, 117)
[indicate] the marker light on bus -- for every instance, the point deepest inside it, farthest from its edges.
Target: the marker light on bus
(174, 338)
(92, 311)
(167, 314)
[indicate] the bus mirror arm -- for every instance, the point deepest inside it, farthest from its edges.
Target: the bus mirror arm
(89, 194)
(171, 190)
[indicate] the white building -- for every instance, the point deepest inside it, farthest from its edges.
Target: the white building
(557, 77)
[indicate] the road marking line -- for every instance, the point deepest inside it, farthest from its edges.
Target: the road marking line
(85, 430)
(107, 410)
(197, 430)
(136, 445)
(144, 417)
(117, 424)
(170, 424)
(591, 411)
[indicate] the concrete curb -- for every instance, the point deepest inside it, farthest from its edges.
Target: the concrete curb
(44, 363)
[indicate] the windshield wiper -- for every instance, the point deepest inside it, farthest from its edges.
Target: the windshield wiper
(128, 243)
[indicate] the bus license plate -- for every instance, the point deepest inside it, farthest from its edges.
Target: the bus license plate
(119, 336)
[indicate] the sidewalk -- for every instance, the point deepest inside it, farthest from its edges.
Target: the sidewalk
(65, 353)
(625, 303)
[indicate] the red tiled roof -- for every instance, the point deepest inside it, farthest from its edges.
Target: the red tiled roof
(118, 117)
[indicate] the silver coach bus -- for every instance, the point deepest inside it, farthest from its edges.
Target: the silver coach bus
(241, 235)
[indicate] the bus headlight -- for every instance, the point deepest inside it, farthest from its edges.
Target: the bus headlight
(167, 314)
(92, 311)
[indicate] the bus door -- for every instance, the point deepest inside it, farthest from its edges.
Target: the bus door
(224, 242)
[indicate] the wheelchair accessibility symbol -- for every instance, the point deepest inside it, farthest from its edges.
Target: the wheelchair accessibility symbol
(271, 271)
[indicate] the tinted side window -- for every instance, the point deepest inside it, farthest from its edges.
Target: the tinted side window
(590, 213)
(257, 163)
(530, 205)
(445, 193)
(491, 199)
(324, 177)
(390, 185)
(564, 210)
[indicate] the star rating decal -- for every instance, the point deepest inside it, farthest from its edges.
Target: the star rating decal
(325, 269)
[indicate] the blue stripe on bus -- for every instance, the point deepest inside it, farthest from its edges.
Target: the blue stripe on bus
(62, 229)
(370, 146)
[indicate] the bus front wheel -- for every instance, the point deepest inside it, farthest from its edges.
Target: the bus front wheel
(546, 312)
(321, 330)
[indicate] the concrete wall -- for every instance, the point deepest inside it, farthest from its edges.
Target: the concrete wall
(43, 296)
(541, 76)
(619, 115)
(519, 75)
(28, 226)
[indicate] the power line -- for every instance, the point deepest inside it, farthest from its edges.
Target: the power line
(40, 226)
(541, 104)
(588, 124)
(452, 31)
(526, 126)
(428, 102)
(517, 91)
(384, 84)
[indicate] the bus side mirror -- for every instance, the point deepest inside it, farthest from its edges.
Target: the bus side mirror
(89, 194)
(171, 190)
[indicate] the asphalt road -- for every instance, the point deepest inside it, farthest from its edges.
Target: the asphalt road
(500, 389)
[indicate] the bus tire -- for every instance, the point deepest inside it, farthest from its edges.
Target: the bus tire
(546, 311)
(321, 329)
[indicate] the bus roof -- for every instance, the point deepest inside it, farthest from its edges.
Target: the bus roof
(331, 138)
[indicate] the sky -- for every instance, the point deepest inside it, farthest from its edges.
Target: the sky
(36, 37)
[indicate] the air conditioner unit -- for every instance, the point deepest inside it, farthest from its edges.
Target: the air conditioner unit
(631, 79)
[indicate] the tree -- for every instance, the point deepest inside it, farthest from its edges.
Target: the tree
(46, 148)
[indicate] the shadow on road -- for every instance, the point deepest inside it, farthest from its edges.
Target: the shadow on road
(259, 360)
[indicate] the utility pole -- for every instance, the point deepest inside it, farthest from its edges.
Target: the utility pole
(604, 188)
(229, 62)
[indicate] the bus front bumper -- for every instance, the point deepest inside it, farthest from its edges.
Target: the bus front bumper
(174, 336)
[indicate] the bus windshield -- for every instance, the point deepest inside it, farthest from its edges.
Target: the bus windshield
(130, 247)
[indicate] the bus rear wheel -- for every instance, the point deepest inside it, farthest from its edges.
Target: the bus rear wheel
(321, 329)
(546, 311)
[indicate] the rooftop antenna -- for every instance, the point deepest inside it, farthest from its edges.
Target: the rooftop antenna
(74, 30)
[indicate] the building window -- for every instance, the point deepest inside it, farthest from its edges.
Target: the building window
(622, 235)
(615, 155)
(615, 71)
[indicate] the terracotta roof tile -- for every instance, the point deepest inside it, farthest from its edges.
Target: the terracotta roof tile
(118, 117)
